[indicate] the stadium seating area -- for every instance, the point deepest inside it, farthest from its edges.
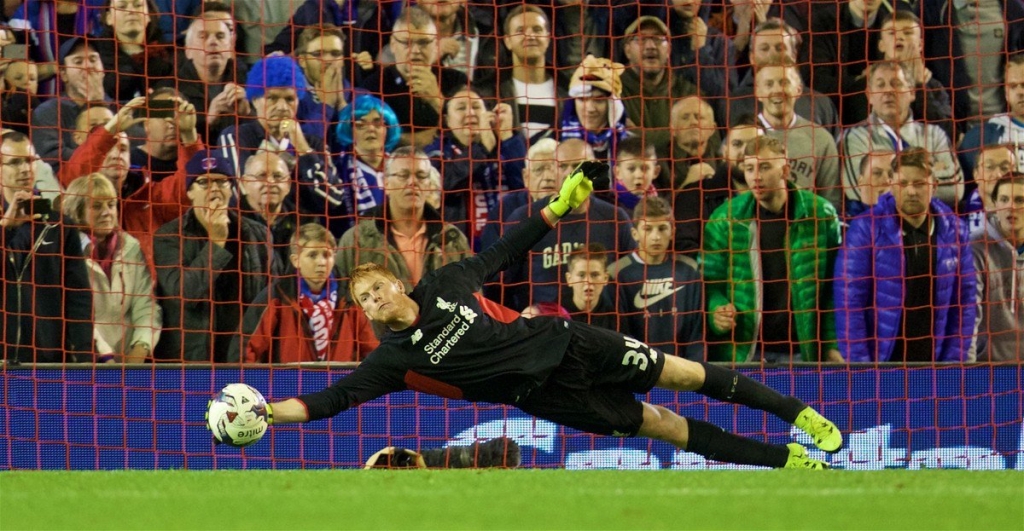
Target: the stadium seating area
(791, 180)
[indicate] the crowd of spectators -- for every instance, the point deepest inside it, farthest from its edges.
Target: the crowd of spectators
(792, 181)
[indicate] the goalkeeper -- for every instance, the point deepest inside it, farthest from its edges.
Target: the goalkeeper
(443, 343)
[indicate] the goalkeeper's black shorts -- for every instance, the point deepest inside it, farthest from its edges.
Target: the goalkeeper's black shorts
(594, 388)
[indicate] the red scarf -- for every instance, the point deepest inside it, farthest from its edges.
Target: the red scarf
(103, 252)
(319, 310)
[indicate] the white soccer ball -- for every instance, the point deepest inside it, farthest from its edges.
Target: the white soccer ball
(237, 415)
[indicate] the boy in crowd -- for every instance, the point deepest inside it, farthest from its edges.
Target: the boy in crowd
(587, 276)
(660, 295)
(636, 167)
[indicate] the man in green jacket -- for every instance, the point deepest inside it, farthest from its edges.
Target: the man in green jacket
(768, 257)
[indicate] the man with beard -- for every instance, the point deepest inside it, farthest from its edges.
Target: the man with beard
(53, 122)
(693, 206)
(904, 279)
(768, 254)
(649, 85)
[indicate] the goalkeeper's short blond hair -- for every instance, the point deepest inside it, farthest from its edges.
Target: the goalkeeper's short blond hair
(366, 270)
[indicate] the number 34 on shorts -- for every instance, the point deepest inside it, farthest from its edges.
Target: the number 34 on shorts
(639, 354)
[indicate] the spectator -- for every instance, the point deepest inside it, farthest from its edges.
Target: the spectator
(478, 155)
(595, 113)
(595, 221)
(872, 181)
(132, 48)
(466, 40)
(984, 35)
(661, 295)
(403, 234)
(264, 189)
(533, 89)
(53, 121)
(414, 87)
(127, 321)
(540, 180)
(174, 16)
(210, 264)
(993, 161)
(999, 262)
(19, 99)
(367, 132)
(305, 317)
(768, 257)
(47, 312)
(705, 54)
(310, 14)
(694, 205)
(49, 24)
(694, 145)
(775, 42)
(902, 40)
(844, 41)
(209, 76)
(1003, 128)
(891, 124)
(320, 53)
(260, 22)
(650, 84)
(159, 153)
(636, 168)
(813, 157)
(145, 204)
(115, 165)
(904, 280)
(586, 277)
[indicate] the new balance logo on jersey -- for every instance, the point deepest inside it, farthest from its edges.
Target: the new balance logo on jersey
(445, 305)
(416, 336)
(653, 292)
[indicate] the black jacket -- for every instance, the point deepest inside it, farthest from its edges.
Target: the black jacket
(188, 268)
(47, 310)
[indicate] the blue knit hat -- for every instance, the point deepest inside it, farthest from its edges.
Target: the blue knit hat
(206, 162)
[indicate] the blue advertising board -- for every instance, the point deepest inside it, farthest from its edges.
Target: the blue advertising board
(152, 418)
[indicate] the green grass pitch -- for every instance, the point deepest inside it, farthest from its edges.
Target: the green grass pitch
(512, 499)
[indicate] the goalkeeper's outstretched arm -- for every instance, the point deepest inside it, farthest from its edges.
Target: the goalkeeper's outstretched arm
(287, 412)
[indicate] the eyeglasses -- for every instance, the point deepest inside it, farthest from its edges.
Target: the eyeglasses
(421, 176)
(320, 54)
(223, 184)
(366, 124)
(410, 43)
(276, 177)
(653, 39)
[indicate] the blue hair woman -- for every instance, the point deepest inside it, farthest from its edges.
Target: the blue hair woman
(367, 131)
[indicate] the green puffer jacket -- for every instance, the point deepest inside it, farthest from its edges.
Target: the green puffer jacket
(732, 272)
(366, 243)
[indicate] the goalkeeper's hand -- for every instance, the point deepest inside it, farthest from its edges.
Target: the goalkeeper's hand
(577, 186)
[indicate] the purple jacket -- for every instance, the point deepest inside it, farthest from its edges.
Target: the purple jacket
(869, 278)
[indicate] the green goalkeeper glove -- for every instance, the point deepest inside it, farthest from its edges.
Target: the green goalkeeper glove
(577, 186)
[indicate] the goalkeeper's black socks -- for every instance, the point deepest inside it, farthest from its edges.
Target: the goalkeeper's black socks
(730, 386)
(715, 443)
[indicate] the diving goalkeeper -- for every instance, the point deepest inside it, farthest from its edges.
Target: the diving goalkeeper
(442, 342)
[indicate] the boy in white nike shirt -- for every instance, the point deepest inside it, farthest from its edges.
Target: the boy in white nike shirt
(660, 294)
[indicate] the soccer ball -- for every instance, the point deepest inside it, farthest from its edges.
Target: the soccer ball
(237, 415)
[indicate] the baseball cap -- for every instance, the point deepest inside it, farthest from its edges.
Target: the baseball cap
(647, 21)
(72, 44)
(206, 162)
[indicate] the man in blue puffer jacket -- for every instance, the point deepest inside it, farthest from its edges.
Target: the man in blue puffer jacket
(904, 279)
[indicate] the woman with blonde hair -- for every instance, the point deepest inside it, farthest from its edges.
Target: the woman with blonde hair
(126, 318)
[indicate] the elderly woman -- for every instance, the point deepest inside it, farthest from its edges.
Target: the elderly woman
(126, 317)
(479, 156)
(368, 131)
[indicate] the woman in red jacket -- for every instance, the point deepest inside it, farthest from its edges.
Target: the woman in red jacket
(305, 318)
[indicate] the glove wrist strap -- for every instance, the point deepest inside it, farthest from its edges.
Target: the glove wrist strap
(270, 414)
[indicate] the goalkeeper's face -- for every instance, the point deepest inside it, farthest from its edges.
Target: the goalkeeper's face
(382, 299)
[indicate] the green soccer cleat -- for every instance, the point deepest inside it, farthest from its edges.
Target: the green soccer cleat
(825, 435)
(798, 458)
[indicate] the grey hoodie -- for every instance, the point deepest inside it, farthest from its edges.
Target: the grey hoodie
(1000, 270)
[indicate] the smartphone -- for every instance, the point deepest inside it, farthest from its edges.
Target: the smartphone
(39, 205)
(157, 109)
(16, 52)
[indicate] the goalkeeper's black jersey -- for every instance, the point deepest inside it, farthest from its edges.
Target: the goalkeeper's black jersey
(455, 348)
